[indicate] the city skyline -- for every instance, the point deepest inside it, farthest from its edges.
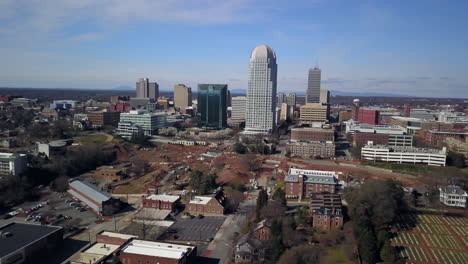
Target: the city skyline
(364, 46)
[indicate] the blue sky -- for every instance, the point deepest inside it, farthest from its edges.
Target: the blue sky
(417, 47)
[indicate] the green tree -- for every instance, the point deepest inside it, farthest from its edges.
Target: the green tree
(280, 195)
(387, 253)
(367, 245)
(239, 148)
(456, 159)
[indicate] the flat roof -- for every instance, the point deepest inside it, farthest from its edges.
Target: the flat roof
(102, 249)
(163, 197)
(157, 249)
(200, 199)
(21, 235)
(117, 235)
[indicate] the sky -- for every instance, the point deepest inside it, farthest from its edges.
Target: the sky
(416, 48)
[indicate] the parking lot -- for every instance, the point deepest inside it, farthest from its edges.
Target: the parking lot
(56, 209)
(195, 229)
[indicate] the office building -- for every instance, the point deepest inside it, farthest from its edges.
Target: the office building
(145, 89)
(425, 114)
(286, 112)
(302, 183)
(291, 100)
(413, 155)
(436, 138)
(324, 96)
(453, 195)
(28, 243)
(143, 252)
(182, 96)
(141, 120)
(212, 107)
(261, 92)
(312, 134)
(99, 201)
(313, 112)
(13, 163)
(368, 116)
(103, 118)
(238, 109)
(313, 86)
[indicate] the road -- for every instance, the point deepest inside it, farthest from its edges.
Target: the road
(222, 245)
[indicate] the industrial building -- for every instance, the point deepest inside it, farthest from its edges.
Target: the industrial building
(101, 202)
(141, 251)
(28, 243)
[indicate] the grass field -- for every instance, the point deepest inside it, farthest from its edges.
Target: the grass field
(92, 139)
(432, 239)
(409, 168)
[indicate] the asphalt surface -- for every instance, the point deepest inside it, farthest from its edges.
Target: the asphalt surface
(223, 244)
(196, 229)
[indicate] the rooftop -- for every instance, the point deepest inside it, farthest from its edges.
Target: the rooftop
(454, 189)
(163, 197)
(9, 156)
(90, 190)
(117, 235)
(22, 234)
(407, 149)
(201, 199)
(157, 249)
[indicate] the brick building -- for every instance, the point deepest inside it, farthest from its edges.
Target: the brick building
(207, 205)
(360, 139)
(312, 134)
(311, 149)
(301, 183)
(103, 118)
(144, 252)
(110, 173)
(262, 231)
(123, 107)
(369, 116)
(345, 116)
(161, 202)
(327, 212)
(436, 138)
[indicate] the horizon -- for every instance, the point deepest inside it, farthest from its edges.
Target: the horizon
(361, 47)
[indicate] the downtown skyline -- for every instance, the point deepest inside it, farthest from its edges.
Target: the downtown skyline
(364, 46)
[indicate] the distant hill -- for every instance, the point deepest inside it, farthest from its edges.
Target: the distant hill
(123, 88)
(367, 94)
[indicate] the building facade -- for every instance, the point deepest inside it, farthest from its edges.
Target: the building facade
(324, 96)
(101, 202)
(312, 134)
(313, 85)
(182, 96)
(206, 205)
(369, 116)
(261, 92)
(413, 155)
(327, 211)
(145, 89)
(302, 183)
(239, 104)
(212, 105)
(453, 195)
(161, 202)
(311, 149)
(103, 118)
(313, 112)
(13, 163)
(137, 121)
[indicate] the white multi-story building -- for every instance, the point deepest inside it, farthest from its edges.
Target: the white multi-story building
(261, 92)
(238, 108)
(413, 155)
(12, 163)
(137, 120)
(453, 195)
(313, 86)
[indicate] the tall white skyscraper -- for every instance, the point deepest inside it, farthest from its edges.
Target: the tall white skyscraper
(313, 87)
(261, 92)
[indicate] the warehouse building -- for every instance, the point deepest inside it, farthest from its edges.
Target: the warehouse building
(141, 251)
(27, 243)
(101, 202)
